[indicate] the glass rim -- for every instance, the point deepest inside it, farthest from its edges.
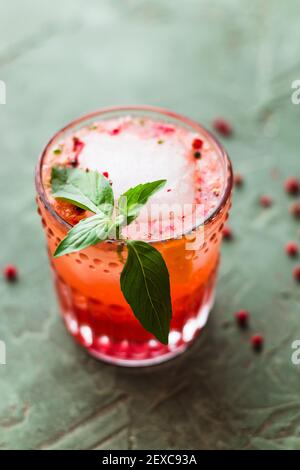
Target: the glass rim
(139, 108)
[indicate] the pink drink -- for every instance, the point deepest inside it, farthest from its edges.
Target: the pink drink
(129, 147)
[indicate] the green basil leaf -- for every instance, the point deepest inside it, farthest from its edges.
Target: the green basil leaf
(88, 232)
(88, 190)
(131, 202)
(146, 287)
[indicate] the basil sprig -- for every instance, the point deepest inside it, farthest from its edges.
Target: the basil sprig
(145, 278)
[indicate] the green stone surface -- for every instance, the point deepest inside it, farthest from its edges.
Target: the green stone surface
(206, 58)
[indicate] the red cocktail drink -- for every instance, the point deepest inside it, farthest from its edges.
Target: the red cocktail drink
(184, 222)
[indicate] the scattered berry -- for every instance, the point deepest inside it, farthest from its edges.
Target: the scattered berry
(265, 201)
(296, 273)
(291, 249)
(257, 342)
(242, 318)
(169, 190)
(11, 273)
(197, 144)
(295, 210)
(105, 174)
(292, 186)
(223, 127)
(227, 233)
(115, 131)
(238, 180)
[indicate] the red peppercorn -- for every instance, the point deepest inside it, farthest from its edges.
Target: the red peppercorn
(292, 186)
(11, 273)
(197, 144)
(227, 233)
(257, 342)
(291, 249)
(295, 210)
(265, 201)
(296, 273)
(77, 144)
(105, 174)
(223, 127)
(238, 180)
(242, 318)
(165, 128)
(77, 147)
(115, 131)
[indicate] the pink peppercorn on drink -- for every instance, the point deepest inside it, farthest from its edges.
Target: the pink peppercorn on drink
(183, 221)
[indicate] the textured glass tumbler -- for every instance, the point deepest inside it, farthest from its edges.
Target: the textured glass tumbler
(88, 282)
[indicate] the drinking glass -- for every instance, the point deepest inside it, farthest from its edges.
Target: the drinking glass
(87, 283)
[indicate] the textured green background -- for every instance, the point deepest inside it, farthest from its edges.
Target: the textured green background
(236, 58)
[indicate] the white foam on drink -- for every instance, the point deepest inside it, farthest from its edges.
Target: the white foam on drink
(131, 159)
